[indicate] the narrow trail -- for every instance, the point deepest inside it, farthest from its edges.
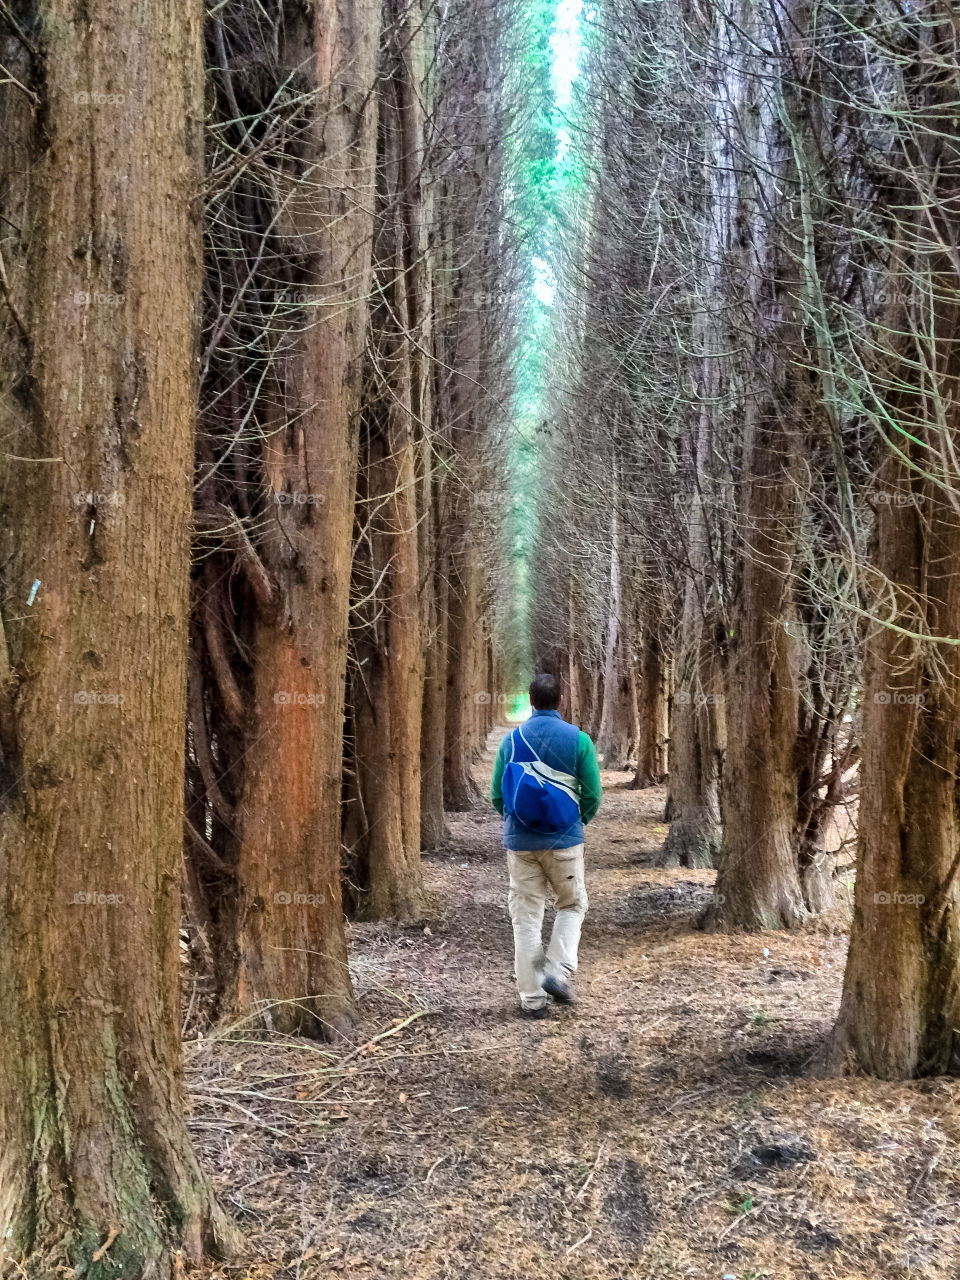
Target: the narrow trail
(660, 1129)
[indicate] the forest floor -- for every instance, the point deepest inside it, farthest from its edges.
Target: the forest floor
(664, 1127)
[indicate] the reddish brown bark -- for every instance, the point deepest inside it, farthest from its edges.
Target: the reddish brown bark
(99, 178)
(292, 968)
(387, 684)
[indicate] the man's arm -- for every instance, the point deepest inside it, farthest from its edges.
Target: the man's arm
(496, 789)
(588, 771)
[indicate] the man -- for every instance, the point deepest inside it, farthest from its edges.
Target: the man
(546, 783)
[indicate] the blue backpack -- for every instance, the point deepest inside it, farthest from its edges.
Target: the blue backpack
(540, 798)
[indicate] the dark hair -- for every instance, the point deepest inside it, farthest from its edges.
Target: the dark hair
(545, 692)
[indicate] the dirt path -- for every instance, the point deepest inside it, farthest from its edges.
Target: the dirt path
(661, 1129)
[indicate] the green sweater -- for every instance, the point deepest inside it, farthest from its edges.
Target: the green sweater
(588, 772)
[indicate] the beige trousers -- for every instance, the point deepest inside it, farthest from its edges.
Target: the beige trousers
(533, 873)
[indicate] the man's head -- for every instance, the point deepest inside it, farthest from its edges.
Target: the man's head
(545, 692)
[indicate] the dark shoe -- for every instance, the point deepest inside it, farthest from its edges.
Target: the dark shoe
(535, 1014)
(559, 990)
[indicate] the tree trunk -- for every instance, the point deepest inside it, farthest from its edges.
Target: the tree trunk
(617, 717)
(463, 426)
(900, 1010)
(817, 743)
(386, 686)
(434, 416)
(292, 952)
(574, 696)
(693, 801)
(460, 790)
(758, 884)
(901, 995)
(594, 702)
(387, 682)
(99, 176)
(433, 823)
(652, 747)
(433, 826)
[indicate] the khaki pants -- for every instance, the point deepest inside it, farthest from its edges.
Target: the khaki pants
(532, 873)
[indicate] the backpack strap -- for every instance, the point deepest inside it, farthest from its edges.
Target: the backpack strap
(513, 748)
(568, 781)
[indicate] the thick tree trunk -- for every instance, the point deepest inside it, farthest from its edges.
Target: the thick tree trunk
(696, 739)
(292, 952)
(758, 885)
(900, 1011)
(652, 746)
(99, 177)
(693, 802)
(387, 690)
(387, 684)
(459, 549)
(617, 718)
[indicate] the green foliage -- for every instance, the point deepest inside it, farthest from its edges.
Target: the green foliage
(545, 173)
(533, 142)
(741, 1208)
(761, 1019)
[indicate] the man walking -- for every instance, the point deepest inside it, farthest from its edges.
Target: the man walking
(546, 783)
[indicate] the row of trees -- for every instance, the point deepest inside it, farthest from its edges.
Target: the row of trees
(246, 600)
(760, 433)
(353, 325)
